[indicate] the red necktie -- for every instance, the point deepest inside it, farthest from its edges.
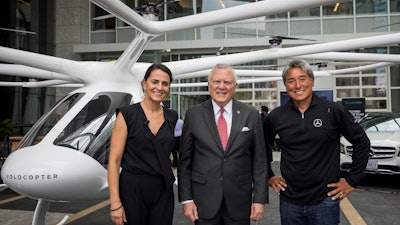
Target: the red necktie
(222, 129)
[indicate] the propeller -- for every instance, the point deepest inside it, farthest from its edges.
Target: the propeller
(321, 65)
(274, 41)
(152, 7)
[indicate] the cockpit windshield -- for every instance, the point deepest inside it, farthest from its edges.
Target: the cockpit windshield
(48, 120)
(90, 130)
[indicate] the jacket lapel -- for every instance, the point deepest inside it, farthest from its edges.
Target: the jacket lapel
(236, 123)
(209, 119)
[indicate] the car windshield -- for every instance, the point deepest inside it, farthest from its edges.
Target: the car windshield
(381, 122)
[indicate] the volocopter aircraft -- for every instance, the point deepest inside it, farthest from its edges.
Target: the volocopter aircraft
(64, 155)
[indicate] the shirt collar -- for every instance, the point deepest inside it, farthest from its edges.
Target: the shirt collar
(227, 107)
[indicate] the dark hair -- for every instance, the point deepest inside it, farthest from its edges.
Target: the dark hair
(264, 108)
(297, 63)
(158, 66)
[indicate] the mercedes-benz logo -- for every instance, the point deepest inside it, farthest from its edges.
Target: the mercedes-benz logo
(317, 123)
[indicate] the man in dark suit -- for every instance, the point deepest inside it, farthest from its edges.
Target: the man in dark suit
(222, 182)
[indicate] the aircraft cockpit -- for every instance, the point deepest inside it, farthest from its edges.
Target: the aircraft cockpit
(89, 131)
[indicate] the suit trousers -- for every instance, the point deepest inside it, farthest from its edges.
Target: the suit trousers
(222, 218)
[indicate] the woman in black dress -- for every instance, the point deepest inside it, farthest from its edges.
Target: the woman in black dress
(141, 142)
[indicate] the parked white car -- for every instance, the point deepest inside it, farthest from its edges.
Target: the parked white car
(383, 130)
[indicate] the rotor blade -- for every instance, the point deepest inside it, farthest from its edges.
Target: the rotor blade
(45, 83)
(76, 69)
(361, 68)
(352, 56)
(40, 61)
(260, 8)
(239, 81)
(167, 2)
(26, 71)
(239, 72)
(18, 31)
(39, 84)
(181, 67)
(292, 38)
(274, 75)
(244, 34)
(104, 17)
(262, 76)
(269, 36)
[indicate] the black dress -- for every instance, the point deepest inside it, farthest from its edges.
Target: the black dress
(146, 179)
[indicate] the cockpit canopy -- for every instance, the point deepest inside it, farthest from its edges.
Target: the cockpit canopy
(89, 131)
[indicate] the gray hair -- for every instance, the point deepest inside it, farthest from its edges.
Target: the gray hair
(297, 63)
(223, 67)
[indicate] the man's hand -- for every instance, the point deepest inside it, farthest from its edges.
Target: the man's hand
(341, 189)
(190, 211)
(257, 211)
(277, 183)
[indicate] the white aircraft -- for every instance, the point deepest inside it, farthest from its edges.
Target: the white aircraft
(64, 155)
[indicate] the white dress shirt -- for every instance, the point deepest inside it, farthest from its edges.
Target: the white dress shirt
(227, 114)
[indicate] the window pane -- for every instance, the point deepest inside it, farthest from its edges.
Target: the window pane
(305, 27)
(338, 9)
(268, 95)
(209, 33)
(277, 28)
(374, 92)
(371, 6)
(102, 19)
(374, 80)
(268, 84)
(394, 50)
(395, 98)
(338, 26)
(375, 104)
(372, 24)
(245, 95)
(125, 34)
(103, 37)
(394, 6)
(394, 23)
(188, 34)
(347, 81)
(395, 76)
(347, 93)
(247, 29)
(313, 12)
(278, 16)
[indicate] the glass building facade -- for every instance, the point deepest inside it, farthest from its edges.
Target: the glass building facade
(80, 30)
(379, 87)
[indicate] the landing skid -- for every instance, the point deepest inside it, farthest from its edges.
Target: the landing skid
(3, 187)
(42, 207)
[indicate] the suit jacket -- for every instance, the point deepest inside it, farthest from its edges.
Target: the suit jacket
(207, 174)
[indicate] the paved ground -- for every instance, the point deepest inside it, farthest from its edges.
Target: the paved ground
(376, 201)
